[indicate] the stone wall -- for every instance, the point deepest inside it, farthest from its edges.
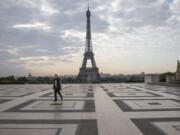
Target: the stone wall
(151, 78)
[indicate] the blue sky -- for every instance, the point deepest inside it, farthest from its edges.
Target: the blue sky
(128, 36)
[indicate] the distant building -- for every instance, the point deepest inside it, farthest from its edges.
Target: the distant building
(151, 78)
(29, 75)
(178, 71)
(142, 74)
(176, 77)
(105, 75)
(172, 81)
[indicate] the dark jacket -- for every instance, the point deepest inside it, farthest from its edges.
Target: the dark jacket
(58, 84)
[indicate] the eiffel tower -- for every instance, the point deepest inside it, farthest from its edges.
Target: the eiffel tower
(88, 74)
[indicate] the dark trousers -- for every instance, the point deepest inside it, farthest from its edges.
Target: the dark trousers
(55, 94)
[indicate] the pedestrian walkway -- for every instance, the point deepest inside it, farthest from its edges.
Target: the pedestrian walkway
(89, 109)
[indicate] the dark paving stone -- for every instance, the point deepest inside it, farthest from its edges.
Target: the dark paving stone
(147, 128)
(9, 95)
(4, 100)
(153, 95)
(126, 108)
(85, 127)
(88, 107)
(89, 94)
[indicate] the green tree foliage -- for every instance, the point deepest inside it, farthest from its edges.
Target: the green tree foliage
(162, 76)
(7, 80)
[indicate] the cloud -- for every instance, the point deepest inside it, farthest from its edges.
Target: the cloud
(36, 25)
(175, 6)
(37, 35)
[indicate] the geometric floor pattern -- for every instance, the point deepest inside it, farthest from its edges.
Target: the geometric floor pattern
(89, 109)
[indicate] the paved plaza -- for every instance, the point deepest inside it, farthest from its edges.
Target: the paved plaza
(89, 109)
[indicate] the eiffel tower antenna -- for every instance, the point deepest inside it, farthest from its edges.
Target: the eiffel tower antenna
(88, 4)
(87, 74)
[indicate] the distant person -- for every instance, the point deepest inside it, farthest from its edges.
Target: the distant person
(57, 88)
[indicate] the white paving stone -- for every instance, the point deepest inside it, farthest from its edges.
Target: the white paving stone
(46, 105)
(146, 104)
(111, 119)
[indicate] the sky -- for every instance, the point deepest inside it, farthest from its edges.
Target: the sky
(45, 37)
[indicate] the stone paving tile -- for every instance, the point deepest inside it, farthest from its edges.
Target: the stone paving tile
(89, 109)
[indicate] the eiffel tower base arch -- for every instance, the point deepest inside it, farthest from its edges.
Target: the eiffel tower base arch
(88, 75)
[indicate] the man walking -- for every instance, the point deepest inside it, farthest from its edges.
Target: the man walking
(57, 88)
